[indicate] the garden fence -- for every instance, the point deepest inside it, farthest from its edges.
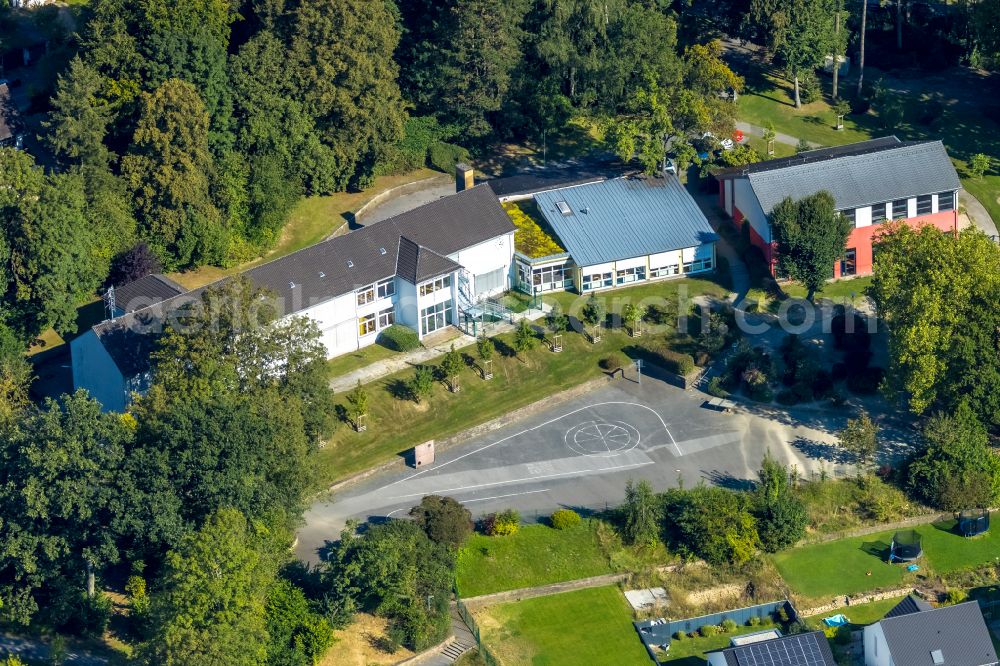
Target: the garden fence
(470, 622)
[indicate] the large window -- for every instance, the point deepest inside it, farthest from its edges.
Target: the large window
(366, 295)
(698, 265)
(386, 318)
(627, 275)
(849, 264)
(946, 201)
(366, 325)
(434, 317)
(878, 213)
(900, 209)
(596, 281)
(435, 285)
(664, 271)
(386, 288)
(924, 204)
(548, 278)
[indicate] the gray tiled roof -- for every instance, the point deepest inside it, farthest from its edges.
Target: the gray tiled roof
(959, 632)
(417, 263)
(336, 266)
(909, 604)
(881, 172)
(811, 649)
(623, 218)
(146, 291)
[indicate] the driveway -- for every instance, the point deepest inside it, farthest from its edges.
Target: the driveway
(580, 454)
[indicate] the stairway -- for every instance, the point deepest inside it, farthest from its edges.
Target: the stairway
(456, 650)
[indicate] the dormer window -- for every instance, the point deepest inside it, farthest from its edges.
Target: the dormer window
(381, 251)
(350, 264)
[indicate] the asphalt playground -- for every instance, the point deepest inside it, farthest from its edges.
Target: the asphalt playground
(580, 453)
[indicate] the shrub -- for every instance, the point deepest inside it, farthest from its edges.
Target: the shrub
(613, 361)
(680, 636)
(658, 353)
(754, 621)
(839, 372)
(809, 88)
(564, 519)
(662, 315)
(858, 339)
(803, 391)
(443, 519)
(865, 382)
(504, 523)
(760, 393)
(728, 626)
(444, 156)
(399, 338)
(709, 630)
(957, 596)
(787, 397)
(715, 388)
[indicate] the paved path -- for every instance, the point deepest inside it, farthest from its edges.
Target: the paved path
(464, 641)
(406, 198)
(399, 362)
(709, 204)
(780, 137)
(977, 213)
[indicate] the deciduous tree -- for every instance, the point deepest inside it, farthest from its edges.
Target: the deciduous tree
(810, 236)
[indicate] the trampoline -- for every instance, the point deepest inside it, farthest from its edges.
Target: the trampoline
(973, 522)
(905, 546)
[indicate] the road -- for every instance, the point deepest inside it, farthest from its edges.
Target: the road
(579, 454)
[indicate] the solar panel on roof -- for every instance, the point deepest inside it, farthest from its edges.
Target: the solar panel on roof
(791, 651)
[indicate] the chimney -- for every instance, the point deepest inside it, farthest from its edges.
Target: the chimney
(465, 177)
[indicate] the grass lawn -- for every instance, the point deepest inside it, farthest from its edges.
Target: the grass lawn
(860, 615)
(780, 149)
(397, 423)
(691, 651)
(341, 365)
(312, 220)
(536, 555)
(615, 300)
(592, 626)
(838, 290)
(841, 567)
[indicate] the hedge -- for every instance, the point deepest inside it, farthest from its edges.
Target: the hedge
(660, 354)
(399, 338)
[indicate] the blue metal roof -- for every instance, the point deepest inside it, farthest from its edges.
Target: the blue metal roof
(623, 218)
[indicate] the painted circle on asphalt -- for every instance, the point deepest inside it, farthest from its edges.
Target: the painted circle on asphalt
(602, 438)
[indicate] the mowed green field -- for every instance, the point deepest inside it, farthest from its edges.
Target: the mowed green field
(858, 564)
(536, 555)
(591, 626)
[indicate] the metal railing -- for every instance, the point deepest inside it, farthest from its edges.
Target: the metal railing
(470, 622)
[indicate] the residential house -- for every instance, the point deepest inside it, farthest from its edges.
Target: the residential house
(914, 634)
(871, 182)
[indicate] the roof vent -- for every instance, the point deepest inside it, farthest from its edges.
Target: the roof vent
(937, 657)
(291, 285)
(564, 208)
(350, 264)
(381, 251)
(585, 210)
(322, 274)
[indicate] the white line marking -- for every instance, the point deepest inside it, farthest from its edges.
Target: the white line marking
(540, 425)
(522, 480)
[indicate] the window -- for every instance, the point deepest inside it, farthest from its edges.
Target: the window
(946, 201)
(435, 285)
(434, 317)
(366, 325)
(386, 288)
(697, 265)
(549, 278)
(849, 264)
(924, 204)
(878, 213)
(636, 274)
(849, 214)
(596, 281)
(366, 295)
(492, 281)
(664, 271)
(386, 318)
(900, 209)
(523, 275)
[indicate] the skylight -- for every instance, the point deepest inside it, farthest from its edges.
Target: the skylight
(937, 657)
(564, 208)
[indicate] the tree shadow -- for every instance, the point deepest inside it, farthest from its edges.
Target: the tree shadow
(728, 481)
(398, 389)
(822, 451)
(503, 348)
(879, 549)
(340, 411)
